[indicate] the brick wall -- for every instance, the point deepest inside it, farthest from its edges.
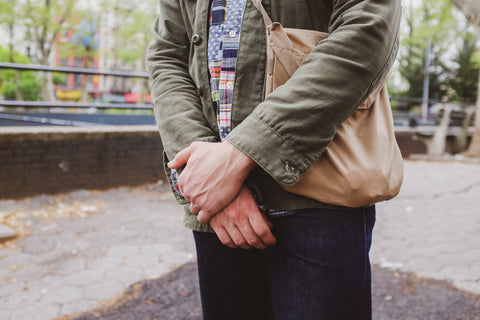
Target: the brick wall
(55, 159)
(39, 160)
(408, 144)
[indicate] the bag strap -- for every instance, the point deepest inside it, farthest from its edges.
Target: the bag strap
(259, 6)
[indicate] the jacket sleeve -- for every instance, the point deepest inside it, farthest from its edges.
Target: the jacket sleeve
(177, 106)
(295, 124)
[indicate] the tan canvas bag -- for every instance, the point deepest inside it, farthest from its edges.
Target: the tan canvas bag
(363, 164)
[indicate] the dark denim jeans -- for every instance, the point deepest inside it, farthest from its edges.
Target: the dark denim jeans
(319, 269)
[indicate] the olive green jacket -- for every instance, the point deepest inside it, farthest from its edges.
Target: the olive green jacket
(288, 130)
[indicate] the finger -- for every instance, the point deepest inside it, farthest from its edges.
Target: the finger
(237, 237)
(249, 234)
(225, 238)
(181, 158)
(194, 209)
(204, 216)
(269, 223)
(262, 230)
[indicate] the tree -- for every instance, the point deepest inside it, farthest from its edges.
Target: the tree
(13, 83)
(431, 20)
(7, 18)
(45, 20)
(132, 34)
(471, 10)
(467, 70)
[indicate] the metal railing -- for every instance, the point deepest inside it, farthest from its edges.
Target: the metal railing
(59, 104)
(109, 105)
(76, 70)
(73, 70)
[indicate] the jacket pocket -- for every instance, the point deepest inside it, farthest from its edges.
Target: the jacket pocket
(168, 174)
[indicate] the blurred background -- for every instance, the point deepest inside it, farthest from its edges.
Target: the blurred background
(438, 44)
(90, 230)
(105, 35)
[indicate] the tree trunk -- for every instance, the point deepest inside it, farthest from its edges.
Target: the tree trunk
(84, 78)
(18, 93)
(48, 89)
(474, 149)
(471, 10)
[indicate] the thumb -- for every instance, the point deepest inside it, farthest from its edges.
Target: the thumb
(180, 159)
(204, 216)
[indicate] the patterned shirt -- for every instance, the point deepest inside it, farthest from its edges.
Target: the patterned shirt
(223, 41)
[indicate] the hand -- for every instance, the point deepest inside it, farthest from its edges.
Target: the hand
(242, 225)
(213, 176)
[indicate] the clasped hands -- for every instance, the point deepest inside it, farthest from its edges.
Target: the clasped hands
(212, 181)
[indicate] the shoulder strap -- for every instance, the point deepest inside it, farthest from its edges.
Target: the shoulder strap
(259, 6)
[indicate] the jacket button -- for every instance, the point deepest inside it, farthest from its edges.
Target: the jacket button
(196, 39)
(199, 91)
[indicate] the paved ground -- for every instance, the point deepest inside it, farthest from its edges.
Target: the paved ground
(86, 247)
(433, 227)
(395, 296)
(88, 250)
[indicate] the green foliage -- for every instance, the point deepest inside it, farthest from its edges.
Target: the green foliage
(468, 67)
(8, 90)
(59, 78)
(134, 32)
(46, 20)
(29, 86)
(452, 76)
(28, 82)
(7, 16)
(432, 19)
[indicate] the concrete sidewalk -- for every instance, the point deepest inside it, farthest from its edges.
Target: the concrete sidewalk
(83, 250)
(432, 228)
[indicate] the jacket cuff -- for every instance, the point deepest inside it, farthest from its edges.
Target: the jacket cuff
(269, 150)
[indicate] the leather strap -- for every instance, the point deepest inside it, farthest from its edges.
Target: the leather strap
(259, 6)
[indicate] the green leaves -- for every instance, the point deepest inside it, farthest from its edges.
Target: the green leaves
(451, 69)
(27, 85)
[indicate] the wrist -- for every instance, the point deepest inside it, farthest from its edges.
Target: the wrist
(242, 161)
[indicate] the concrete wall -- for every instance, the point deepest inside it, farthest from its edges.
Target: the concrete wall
(55, 159)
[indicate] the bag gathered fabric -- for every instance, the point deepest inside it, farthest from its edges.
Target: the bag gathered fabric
(362, 164)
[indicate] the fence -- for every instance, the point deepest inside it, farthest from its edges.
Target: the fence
(73, 70)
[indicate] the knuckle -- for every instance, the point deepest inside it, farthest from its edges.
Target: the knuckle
(194, 144)
(229, 243)
(235, 214)
(207, 207)
(270, 242)
(240, 242)
(225, 240)
(264, 231)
